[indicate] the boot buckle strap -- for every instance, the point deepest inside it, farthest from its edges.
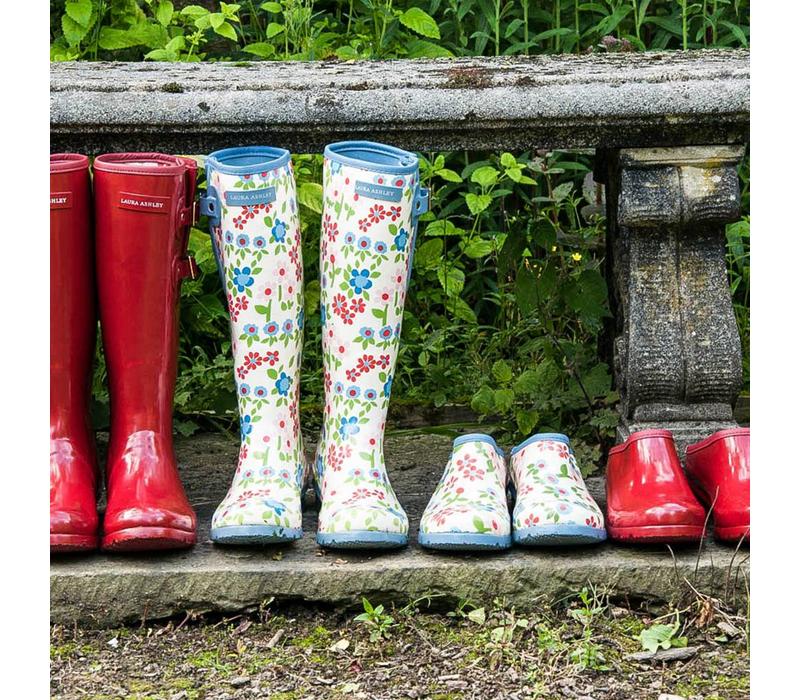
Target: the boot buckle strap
(187, 267)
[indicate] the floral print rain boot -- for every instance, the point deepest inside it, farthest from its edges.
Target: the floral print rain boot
(553, 506)
(469, 509)
(372, 199)
(252, 207)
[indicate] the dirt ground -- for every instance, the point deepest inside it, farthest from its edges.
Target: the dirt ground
(576, 649)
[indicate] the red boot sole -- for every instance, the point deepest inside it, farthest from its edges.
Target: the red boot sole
(61, 543)
(657, 533)
(732, 534)
(145, 539)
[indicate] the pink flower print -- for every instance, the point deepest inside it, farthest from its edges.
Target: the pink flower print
(363, 225)
(352, 375)
(592, 521)
(272, 357)
(252, 360)
(563, 451)
(385, 295)
(357, 306)
(340, 305)
(365, 363)
(394, 213)
(377, 213)
(531, 520)
(383, 361)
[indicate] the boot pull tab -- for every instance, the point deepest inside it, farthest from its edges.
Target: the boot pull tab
(420, 203)
(210, 207)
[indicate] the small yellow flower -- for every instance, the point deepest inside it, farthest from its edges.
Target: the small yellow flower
(577, 257)
(554, 249)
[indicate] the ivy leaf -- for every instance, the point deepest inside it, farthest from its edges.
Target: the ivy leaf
(79, 11)
(421, 22)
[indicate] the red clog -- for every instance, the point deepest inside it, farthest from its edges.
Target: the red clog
(719, 470)
(143, 210)
(649, 497)
(73, 330)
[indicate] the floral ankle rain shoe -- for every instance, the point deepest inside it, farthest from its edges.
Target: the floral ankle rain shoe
(553, 506)
(469, 508)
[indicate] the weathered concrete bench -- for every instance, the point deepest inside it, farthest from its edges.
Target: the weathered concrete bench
(668, 129)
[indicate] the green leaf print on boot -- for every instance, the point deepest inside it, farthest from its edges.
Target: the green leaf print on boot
(469, 510)
(372, 199)
(255, 229)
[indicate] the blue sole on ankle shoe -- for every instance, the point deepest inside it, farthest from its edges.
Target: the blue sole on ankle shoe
(254, 534)
(363, 539)
(556, 535)
(463, 541)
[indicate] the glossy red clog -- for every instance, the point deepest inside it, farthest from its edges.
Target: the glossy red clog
(648, 495)
(719, 470)
(143, 210)
(73, 330)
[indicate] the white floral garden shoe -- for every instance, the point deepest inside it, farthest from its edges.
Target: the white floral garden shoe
(252, 206)
(372, 199)
(469, 508)
(553, 506)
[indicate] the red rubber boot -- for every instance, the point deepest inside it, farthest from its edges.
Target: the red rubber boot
(143, 210)
(73, 329)
(649, 497)
(719, 470)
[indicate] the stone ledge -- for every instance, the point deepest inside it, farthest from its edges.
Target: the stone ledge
(101, 590)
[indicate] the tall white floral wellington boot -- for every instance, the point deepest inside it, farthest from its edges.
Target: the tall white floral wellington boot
(553, 505)
(469, 508)
(252, 206)
(372, 199)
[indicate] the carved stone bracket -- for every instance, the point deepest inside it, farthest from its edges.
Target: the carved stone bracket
(676, 349)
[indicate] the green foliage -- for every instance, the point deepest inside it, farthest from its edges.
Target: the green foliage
(660, 636)
(376, 620)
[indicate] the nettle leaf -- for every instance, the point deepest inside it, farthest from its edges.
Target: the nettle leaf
(503, 399)
(273, 29)
(448, 175)
(73, 32)
(485, 176)
(478, 248)
(508, 161)
(477, 203)
(502, 371)
(309, 194)
(463, 311)
(526, 421)
(587, 295)
(483, 401)
(419, 48)
(274, 7)
(226, 29)
(80, 11)
(443, 227)
(429, 254)
(164, 12)
(421, 22)
(451, 278)
(261, 49)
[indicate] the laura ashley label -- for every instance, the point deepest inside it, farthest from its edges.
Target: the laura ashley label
(375, 191)
(60, 200)
(244, 198)
(144, 202)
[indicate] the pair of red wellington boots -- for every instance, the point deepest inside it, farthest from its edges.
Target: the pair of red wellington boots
(652, 499)
(129, 269)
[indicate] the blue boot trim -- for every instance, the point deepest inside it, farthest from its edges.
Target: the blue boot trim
(254, 534)
(361, 539)
(556, 535)
(556, 437)
(372, 156)
(463, 541)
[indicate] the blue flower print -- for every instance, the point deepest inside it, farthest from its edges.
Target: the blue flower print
(349, 238)
(380, 247)
(246, 426)
(367, 333)
(242, 278)
(364, 243)
(353, 392)
(359, 280)
(277, 506)
(244, 389)
(283, 383)
(349, 427)
(322, 314)
(279, 231)
(387, 388)
(400, 240)
(228, 237)
(335, 167)
(242, 240)
(260, 242)
(271, 328)
(338, 388)
(301, 319)
(251, 329)
(288, 325)
(385, 333)
(370, 394)
(260, 392)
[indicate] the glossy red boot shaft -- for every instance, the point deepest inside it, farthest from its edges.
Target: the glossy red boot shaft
(143, 210)
(719, 469)
(73, 330)
(649, 498)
